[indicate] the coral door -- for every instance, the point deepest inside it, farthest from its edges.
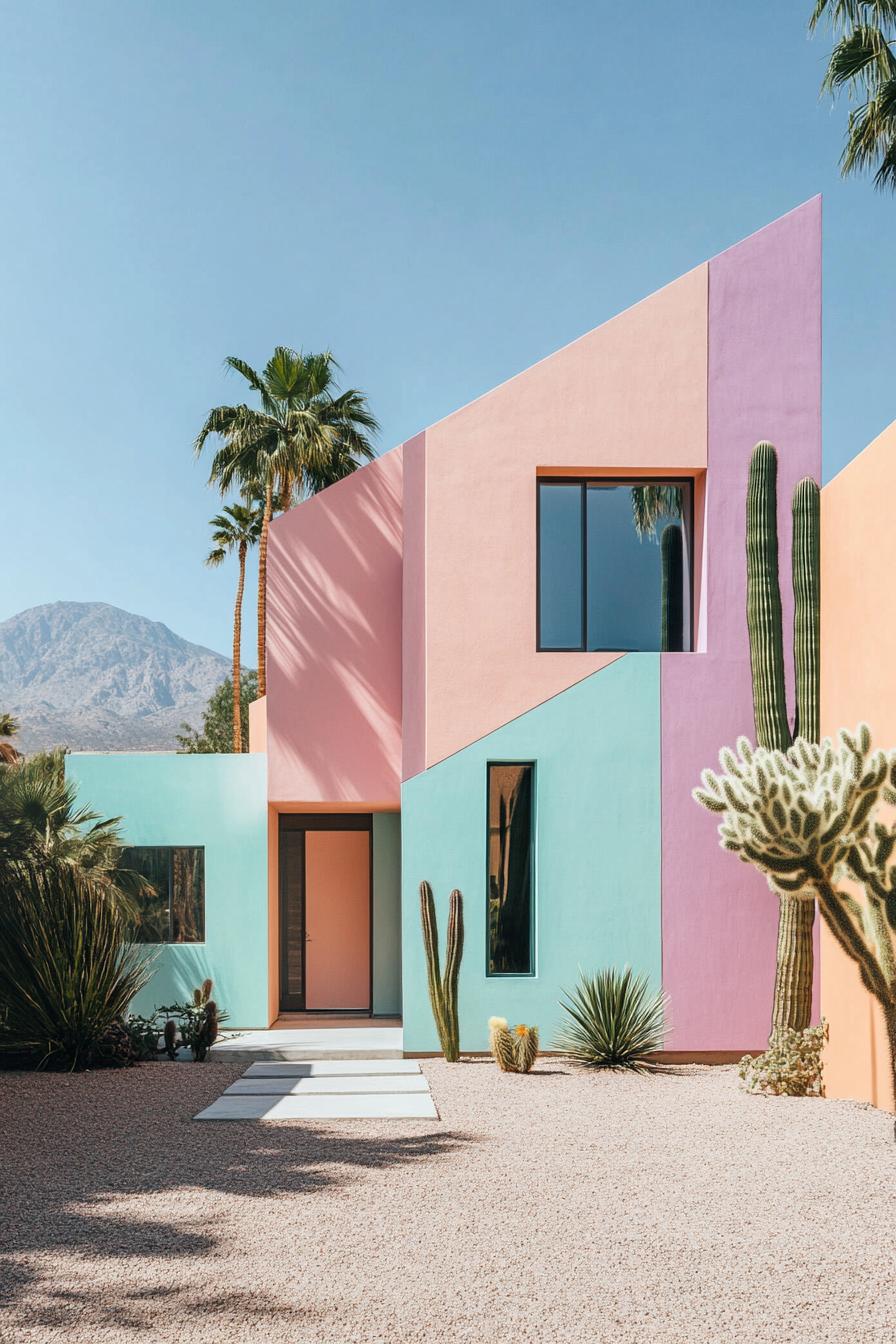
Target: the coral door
(337, 920)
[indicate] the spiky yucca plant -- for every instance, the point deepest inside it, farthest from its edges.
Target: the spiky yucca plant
(67, 972)
(616, 1020)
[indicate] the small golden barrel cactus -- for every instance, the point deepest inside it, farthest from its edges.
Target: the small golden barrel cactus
(525, 1047)
(501, 1043)
(515, 1050)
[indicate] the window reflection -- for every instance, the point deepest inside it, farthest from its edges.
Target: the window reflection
(510, 835)
(614, 565)
(173, 909)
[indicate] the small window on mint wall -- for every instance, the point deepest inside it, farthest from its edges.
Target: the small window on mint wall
(614, 566)
(169, 906)
(510, 868)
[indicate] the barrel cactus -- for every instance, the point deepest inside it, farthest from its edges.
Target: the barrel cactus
(515, 1050)
(443, 987)
(792, 1004)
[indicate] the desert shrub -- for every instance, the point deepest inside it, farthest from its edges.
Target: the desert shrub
(791, 1067)
(615, 1020)
(192, 1025)
(67, 971)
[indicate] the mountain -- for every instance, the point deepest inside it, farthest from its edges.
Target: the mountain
(90, 676)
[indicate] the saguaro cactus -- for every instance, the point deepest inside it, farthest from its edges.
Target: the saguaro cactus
(792, 1006)
(443, 988)
(672, 606)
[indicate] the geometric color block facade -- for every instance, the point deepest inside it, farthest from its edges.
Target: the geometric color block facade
(403, 662)
(685, 383)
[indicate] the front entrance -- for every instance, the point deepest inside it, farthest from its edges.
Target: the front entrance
(325, 912)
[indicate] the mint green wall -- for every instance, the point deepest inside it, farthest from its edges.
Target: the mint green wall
(386, 914)
(597, 753)
(219, 802)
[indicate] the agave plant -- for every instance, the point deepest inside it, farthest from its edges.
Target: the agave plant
(67, 971)
(615, 1020)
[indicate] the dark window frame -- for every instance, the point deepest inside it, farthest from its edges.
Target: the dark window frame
(533, 885)
(170, 850)
(687, 482)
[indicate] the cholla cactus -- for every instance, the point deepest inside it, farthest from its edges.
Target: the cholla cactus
(809, 818)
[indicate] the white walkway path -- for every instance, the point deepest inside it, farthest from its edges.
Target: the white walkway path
(331, 1089)
(310, 1043)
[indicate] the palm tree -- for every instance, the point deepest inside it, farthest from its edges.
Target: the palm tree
(305, 436)
(650, 503)
(864, 63)
(41, 823)
(236, 527)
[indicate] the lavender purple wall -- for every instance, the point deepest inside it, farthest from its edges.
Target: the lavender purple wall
(719, 919)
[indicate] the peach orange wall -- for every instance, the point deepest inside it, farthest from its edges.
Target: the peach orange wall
(334, 643)
(258, 725)
(858, 654)
(632, 395)
(719, 919)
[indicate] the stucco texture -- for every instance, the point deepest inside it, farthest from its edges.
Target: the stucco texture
(334, 643)
(719, 919)
(629, 396)
(597, 859)
(218, 802)
(858, 653)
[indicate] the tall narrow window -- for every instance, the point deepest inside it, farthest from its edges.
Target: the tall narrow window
(614, 565)
(172, 909)
(510, 853)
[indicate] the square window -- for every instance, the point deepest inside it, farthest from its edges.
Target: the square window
(173, 911)
(615, 565)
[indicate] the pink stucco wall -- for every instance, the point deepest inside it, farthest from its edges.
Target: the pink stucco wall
(413, 689)
(719, 919)
(334, 643)
(630, 395)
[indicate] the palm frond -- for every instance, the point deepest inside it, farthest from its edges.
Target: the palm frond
(863, 57)
(651, 503)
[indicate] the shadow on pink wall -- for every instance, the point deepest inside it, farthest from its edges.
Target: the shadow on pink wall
(334, 643)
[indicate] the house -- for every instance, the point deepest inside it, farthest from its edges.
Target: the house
(483, 674)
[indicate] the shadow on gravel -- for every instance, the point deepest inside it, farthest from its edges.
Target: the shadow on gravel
(64, 1175)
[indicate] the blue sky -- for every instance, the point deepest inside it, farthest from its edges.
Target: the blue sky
(441, 193)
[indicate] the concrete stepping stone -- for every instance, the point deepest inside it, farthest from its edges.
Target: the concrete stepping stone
(331, 1068)
(284, 1087)
(382, 1106)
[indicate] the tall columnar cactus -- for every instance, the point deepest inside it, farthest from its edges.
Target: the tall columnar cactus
(809, 819)
(807, 606)
(792, 1006)
(443, 988)
(672, 605)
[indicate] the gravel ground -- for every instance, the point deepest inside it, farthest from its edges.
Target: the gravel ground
(561, 1206)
